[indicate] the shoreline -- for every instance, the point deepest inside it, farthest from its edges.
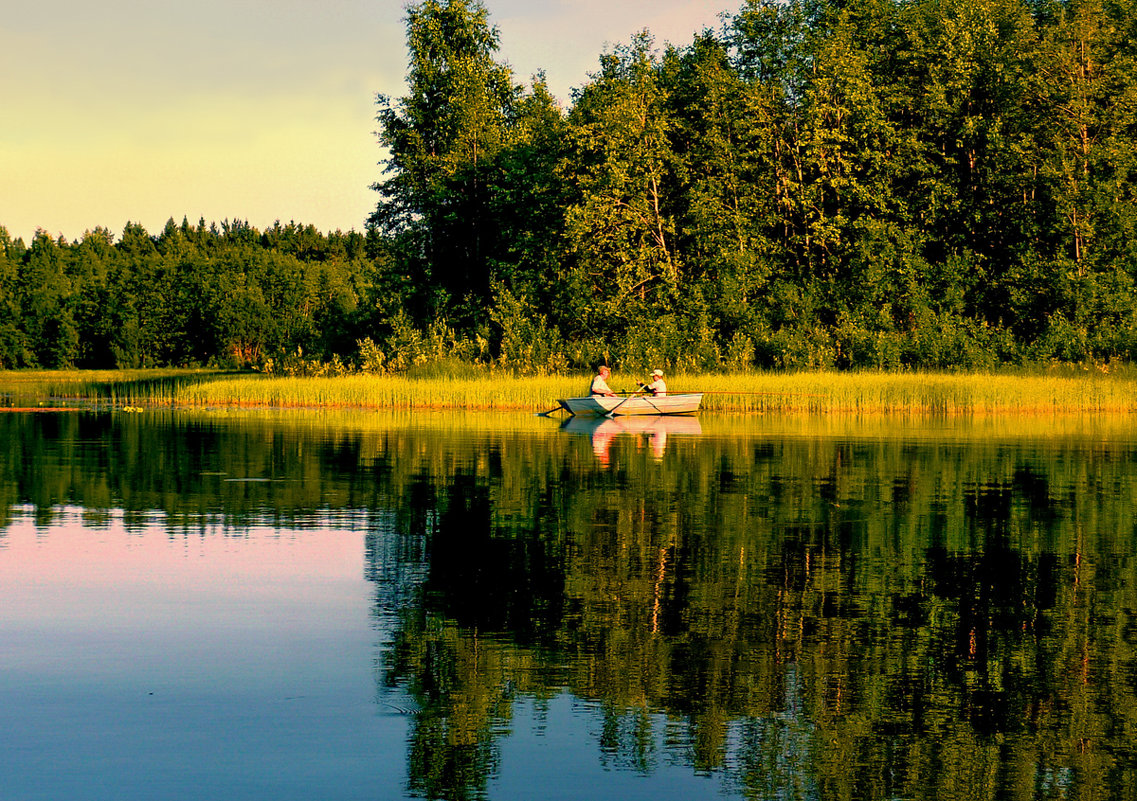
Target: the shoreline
(838, 393)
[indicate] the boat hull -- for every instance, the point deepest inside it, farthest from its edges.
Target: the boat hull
(637, 405)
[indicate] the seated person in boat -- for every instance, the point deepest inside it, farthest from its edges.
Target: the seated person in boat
(657, 387)
(600, 383)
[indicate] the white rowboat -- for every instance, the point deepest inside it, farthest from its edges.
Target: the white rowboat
(636, 404)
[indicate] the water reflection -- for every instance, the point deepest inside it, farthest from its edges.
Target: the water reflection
(748, 613)
(651, 429)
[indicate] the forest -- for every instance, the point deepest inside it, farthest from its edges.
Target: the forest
(889, 184)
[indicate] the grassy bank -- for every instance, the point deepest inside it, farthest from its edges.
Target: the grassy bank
(812, 392)
(54, 387)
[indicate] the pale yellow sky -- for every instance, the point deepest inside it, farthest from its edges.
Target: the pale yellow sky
(143, 110)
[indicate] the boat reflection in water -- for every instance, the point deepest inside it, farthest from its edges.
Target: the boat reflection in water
(655, 429)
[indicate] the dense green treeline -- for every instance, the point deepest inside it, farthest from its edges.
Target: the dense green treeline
(225, 295)
(859, 183)
(871, 183)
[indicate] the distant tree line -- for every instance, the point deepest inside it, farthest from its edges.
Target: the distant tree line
(867, 183)
(194, 295)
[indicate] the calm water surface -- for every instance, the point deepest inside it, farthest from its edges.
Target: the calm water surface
(370, 606)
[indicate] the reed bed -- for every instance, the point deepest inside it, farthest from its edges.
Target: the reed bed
(920, 393)
(113, 386)
(483, 392)
(806, 392)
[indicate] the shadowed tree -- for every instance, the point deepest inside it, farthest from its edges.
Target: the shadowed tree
(441, 140)
(12, 341)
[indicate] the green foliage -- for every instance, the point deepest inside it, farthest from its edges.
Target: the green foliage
(620, 230)
(13, 348)
(406, 347)
(296, 365)
(527, 341)
(372, 359)
(190, 296)
(442, 140)
(866, 184)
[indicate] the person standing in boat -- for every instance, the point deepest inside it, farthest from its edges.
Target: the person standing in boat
(657, 387)
(600, 383)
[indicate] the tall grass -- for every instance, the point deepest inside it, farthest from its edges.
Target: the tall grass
(924, 393)
(113, 386)
(487, 391)
(809, 392)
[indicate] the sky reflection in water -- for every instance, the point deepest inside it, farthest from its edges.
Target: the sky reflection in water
(143, 665)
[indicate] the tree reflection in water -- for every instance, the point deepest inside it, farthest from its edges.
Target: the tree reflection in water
(825, 618)
(818, 616)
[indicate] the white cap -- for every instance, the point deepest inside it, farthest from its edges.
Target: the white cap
(657, 372)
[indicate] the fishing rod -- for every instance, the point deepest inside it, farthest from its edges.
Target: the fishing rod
(780, 394)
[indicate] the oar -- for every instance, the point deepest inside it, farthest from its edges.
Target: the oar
(546, 414)
(612, 412)
(728, 392)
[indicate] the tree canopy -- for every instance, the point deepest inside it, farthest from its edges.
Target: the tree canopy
(870, 183)
(865, 183)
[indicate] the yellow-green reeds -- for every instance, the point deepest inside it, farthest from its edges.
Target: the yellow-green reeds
(489, 391)
(923, 393)
(114, 386)
(798, 392)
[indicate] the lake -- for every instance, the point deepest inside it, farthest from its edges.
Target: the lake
(338, 605)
